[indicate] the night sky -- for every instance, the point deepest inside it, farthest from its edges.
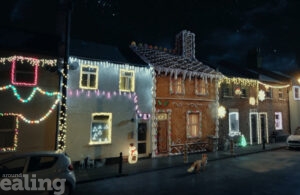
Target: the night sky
(226, 30)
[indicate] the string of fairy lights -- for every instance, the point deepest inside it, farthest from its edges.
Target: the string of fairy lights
(14, 82)
(243, 82)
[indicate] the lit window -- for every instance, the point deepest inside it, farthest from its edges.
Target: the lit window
(88, 77)
(7, 131)
(296, 92)
(278, 120)
(126, 82)
(101, 128)
(177, 86)
(233, 123)
(194, 125)
(201, 86)
(24, 73)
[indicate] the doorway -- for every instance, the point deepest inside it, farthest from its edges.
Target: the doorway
(142, 139)
(264, 127)
(254, 138)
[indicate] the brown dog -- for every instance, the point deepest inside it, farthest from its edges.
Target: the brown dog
(196, 166)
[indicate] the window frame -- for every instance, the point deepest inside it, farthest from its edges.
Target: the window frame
(12, 130)
(88, 73)
(202, 88)
(15, 72)
(108, 122)
(296, 95)
(177, 86)
(131, 82)
(278, 121)
(198, 125)
(233, 131)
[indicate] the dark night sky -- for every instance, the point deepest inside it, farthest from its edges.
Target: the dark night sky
(225, 29)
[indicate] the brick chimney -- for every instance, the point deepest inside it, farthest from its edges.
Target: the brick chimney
(185, 44)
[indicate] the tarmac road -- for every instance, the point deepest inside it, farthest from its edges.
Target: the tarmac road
(275, 172)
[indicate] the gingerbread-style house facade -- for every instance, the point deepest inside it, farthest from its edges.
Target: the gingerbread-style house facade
(186, 98)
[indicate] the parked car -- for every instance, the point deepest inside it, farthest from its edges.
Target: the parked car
(293, 140)
(38, 171)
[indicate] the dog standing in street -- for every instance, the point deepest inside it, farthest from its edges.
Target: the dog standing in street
(196, 166)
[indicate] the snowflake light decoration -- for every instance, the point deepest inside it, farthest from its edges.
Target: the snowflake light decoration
(261, 95)
(221, 112)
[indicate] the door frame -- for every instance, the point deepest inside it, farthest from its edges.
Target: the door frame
(257, 127)
(155, 140)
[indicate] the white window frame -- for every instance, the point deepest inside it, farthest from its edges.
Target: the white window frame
(88, 73)
(129, 79)
(100, 125)
(234, 127)
(296, 92)
(278, 121)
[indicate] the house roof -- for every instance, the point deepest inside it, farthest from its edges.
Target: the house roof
(168, 63)
(96, 51)
(233, 70)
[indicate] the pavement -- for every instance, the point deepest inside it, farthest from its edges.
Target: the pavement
(151, 164)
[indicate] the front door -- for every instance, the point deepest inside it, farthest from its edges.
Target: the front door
(253, 128)
(264, 127)
(142, 139)
(162, 137)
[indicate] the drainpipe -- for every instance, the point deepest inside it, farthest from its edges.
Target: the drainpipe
(64, 27)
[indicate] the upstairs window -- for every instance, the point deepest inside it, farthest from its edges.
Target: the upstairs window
(88, 77)
(280, 94)
(296, 92)
(227, 90)
(127, 80)
(24, 73)
(269, 93)
(177, 86)
(201, 86)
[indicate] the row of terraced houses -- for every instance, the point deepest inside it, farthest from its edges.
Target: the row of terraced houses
(164, 101)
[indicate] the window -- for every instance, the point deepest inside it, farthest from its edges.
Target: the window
(177, 86)
(126, 82)
(280, 94)
(278, 120)
(88, 77)
(227, 90)
(101, 128)
(194, 125)
(201, 86)
(233, 123)
(269, 93)
(7, 131)
(244, 92)
(296, 92)
(23, 73)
